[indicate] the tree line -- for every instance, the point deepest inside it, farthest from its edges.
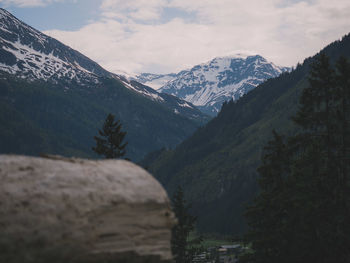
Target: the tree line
(302, 213)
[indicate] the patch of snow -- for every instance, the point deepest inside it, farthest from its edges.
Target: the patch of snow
(185, 105)
(154, 96)
(42, 66)
(4, 29)
(158, 83)
(154, 81)
(128, 76)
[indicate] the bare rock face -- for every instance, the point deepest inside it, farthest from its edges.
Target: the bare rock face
(74, 210)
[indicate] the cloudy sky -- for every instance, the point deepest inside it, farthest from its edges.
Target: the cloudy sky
(163, 36)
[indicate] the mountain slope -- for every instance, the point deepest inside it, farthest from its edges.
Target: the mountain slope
(156, 81)
(217, 165)
(176, 105)
(61, 97)
(28, 53)
(210, 84)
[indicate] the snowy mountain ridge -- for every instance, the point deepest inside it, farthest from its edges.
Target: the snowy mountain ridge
(156, 81)
(209, 84)
(31, 55)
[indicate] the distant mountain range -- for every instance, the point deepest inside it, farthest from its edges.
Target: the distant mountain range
(156, 81)
(210, 84)
(217, 165)
(33, 62)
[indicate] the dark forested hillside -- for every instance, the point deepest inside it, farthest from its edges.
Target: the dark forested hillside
(304, 192)
(42, 117)
(217, 165)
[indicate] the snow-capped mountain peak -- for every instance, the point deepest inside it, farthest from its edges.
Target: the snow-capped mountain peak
(209, 84)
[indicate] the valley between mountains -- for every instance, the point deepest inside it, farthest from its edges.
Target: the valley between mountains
(203, 128)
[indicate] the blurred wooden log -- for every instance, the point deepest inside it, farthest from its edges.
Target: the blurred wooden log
(74, 210)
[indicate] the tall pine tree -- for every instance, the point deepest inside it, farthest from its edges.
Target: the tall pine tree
(110, 144)
(343, 115)
(266, 216)
(343, 149)
(183, 249)
(316, 169)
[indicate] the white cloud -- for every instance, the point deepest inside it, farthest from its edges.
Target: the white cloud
(134, 9)
(132, 37)
(29, 3)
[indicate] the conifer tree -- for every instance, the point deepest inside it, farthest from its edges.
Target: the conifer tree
(343, 191)
(316, 170)
(343, 114)
(182, 247)
(316, 166)
(316, 114)
(110, 144)
(266, 216)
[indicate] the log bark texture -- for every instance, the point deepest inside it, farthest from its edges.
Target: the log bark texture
(73, 210)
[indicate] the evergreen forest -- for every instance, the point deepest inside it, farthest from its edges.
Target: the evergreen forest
(302, 212)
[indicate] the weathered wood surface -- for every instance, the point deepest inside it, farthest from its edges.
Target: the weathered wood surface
(74, 210)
